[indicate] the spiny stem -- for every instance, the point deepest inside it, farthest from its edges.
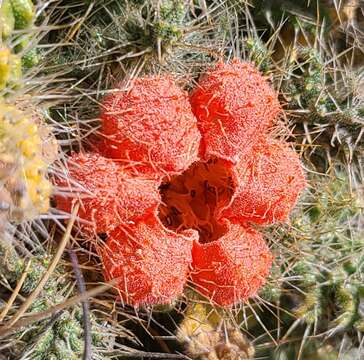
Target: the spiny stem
(15, 292)
(25, 306)
(6, 330)
(87, 353)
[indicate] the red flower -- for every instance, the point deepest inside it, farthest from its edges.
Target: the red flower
(200, 230)
(151, 126)
(234, 105)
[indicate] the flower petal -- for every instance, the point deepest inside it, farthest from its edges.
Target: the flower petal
(150, 262)
(270, 179)
(234, 104)
(151, 126)
(108, 195)
(232, 268)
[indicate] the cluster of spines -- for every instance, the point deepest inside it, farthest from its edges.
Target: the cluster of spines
(63, 336)
(322, 289)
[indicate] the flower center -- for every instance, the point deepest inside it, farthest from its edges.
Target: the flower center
(193, 199)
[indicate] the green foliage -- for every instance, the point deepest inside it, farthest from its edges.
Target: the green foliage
(7, 20)
(24, 12)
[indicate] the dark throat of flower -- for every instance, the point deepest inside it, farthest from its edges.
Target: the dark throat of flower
(193, 199)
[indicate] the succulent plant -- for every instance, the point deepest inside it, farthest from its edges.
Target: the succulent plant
(123, 80)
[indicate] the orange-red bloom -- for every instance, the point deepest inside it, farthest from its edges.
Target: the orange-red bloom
(213, 169)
